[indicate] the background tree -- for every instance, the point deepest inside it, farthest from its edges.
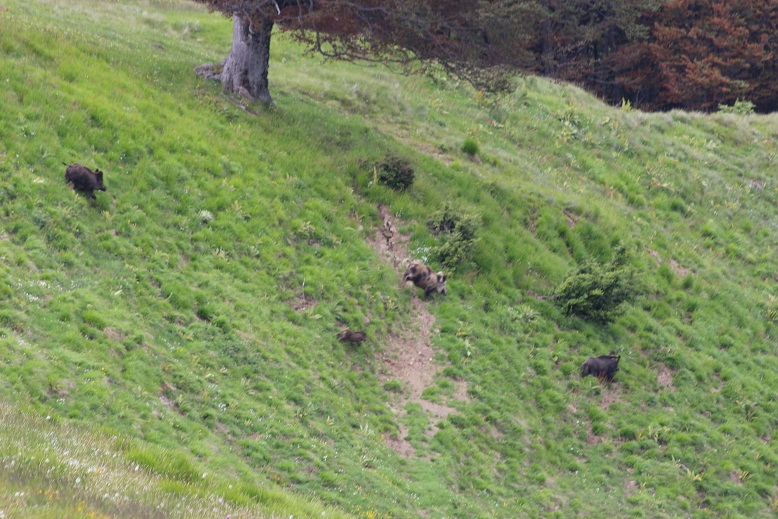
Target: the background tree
(578, 39)
(659, 54)
(703, 53)
(479, 41)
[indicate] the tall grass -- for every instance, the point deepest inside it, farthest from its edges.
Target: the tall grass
(191, 310)
(56, 469)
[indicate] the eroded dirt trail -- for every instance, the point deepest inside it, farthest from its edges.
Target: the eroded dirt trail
(408, 356)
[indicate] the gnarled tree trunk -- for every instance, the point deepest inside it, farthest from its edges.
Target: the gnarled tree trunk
(245, 70)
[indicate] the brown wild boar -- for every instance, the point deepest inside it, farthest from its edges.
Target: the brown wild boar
(81, 178)
(349, 336)
(426, 278)
(602, 367)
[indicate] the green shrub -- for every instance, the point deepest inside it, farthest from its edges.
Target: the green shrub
(457, 234)
(394, 172)
(394, 386)
(599, 428)
(470, 146)
(11, 320)
(93, 318)
(628, 432)
(739, 108)
(206, 312)
(597, 291)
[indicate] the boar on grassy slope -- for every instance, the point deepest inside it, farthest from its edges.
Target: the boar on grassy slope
(426, 278)
(83, 179)
(349, 336)
(602, 367)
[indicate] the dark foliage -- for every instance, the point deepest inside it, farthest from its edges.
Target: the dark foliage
(692, 54)
(395, 172)
(597, 291)
(481, 41)
(456, 232)
(702, 53)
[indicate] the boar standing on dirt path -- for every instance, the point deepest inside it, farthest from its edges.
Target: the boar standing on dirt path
(426, 278)
(81, 178)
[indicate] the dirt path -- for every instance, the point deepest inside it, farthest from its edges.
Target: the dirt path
(408, 355)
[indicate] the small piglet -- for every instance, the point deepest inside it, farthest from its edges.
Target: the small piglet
(81, 178)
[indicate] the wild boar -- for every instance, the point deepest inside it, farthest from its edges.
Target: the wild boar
(349, 336)
(426, 278)
(602, 367)
(81, 178)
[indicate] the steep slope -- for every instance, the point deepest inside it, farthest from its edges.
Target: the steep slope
(193, 307)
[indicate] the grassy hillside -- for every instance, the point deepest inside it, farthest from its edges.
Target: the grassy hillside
(181, 328)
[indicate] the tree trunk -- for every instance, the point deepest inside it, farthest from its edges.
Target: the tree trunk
(245, 70)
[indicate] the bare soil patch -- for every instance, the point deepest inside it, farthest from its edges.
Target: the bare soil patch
(665, 377)
(408, 356)
(400, 445)
(302, 303)
(734, 477)
(114, 334)
(608, 395)
(591, 438)
(676, 267)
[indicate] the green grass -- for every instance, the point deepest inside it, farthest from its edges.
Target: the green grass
(191, 310)
(54, 469)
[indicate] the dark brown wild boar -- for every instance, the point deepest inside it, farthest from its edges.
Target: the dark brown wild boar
(602, 367)
(349, 336)
(83, 179)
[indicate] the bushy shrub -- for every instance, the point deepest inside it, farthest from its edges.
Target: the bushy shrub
(457, 234)
(739, 108)
(470, 146)
(394, 172)
(444, 220)
(597, 291)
